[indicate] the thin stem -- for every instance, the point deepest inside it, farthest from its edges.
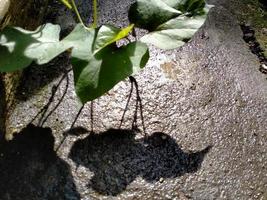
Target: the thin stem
(138, 101)
(60, 100)
(127, 104)
(77, 12)
(66, 3)
(71, 127)
(95, 17)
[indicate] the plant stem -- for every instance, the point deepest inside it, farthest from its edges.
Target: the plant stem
(95, 14)
(77, 12)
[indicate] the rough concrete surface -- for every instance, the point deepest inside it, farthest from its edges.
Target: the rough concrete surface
(205, 115)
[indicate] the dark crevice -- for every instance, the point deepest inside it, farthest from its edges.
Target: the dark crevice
(255, 48)
(263, 4)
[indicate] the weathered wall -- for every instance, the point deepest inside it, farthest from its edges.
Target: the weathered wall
(205, 114)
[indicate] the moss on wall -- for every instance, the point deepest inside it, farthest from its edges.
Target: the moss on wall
(253, 13)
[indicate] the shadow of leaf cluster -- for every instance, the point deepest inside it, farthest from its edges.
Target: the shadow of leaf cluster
(116, 158)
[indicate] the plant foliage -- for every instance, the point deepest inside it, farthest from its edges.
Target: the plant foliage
(67, 3)
(171, 22)
(98, 63)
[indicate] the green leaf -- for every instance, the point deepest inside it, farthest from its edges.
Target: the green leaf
(168, 31)
(149, 14)
(109, 34)
(101, 65)
(168, 39)
(173, 3)
(108, 67)
(81, 40)
(183, 22)
(192, 7)
(189, 7)
(19, 47)
(175, 32)
(98, 64)
(66, 3)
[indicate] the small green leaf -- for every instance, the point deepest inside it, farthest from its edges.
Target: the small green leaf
(66, 3)
(109, 34)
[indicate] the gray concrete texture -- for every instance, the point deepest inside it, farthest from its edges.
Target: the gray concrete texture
(205, 115)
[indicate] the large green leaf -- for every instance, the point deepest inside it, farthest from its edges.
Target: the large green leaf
(170, 31)
(19, 47)
(101, 65)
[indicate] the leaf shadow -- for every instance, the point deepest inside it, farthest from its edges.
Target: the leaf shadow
(35, 77)
(30, 168)
(43, 112)
(116, 158)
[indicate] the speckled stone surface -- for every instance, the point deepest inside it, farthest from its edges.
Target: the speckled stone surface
(205, 115)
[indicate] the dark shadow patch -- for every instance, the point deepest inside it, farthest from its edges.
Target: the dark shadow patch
(116, 158)
(30, 168)
(263, 4)
(44, 114)
(35, 77)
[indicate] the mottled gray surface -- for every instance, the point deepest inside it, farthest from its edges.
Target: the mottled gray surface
(207, 93)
